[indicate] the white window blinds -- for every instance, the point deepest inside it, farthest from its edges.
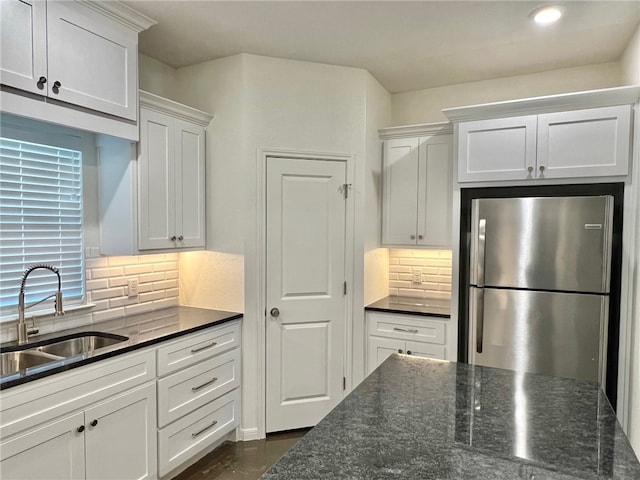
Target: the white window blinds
(40, 221)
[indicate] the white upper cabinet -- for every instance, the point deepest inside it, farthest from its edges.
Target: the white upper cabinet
(81, 53)
(497, 149)
(560, 140)
(155, 202)
(23, 50)
(417, 186)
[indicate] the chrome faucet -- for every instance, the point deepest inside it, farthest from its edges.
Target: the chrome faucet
(23, 334)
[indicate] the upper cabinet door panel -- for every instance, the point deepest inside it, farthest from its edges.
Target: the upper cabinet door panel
(190, 185)
(93, 59)
(584, 143)
(400, 191)
(435, 192)
(23, 45)
(156, 179)
(497, 149)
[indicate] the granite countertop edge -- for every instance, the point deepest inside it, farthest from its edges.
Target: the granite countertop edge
(432, 307)
(198, 319)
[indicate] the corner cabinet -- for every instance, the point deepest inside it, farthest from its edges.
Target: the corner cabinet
(417, 185)
(155, 202)
(80, 53)
(564, 144)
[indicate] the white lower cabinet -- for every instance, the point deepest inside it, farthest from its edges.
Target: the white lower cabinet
(198, 394)
(417, 335)
(111, 439)
(54, 450)
(117, 420)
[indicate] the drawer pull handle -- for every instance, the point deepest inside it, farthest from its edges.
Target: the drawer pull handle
(405, 330)
(213, 380)
(213, 424)
(199, 349)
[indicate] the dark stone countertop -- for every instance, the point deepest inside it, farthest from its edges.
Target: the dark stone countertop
(143, 330)
(415, 418)
(434, 307)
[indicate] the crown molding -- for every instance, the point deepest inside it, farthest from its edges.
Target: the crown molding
(175, 109)
(423, 129)
(548, 104)
(121, 13)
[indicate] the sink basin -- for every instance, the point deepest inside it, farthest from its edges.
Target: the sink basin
(82, 344)
(11, 362)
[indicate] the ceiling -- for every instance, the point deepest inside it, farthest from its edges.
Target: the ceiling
(405, 45)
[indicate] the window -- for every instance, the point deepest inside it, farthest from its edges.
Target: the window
(40, 216)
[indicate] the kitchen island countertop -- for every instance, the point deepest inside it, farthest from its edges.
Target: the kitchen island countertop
(415, 418)
(434, 307)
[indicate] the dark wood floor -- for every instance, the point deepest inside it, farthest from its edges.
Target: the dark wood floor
(242, 460)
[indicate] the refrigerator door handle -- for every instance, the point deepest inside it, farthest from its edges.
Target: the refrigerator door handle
(479, 317)
(482, 229)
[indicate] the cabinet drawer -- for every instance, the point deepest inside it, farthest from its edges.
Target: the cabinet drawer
(408, 327)
(189, 435)
(193, 387)
(197, 347)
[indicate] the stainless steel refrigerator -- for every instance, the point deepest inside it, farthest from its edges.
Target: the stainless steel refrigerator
(539, 278)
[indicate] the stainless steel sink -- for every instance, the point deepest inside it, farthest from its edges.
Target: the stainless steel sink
(81, 345)
(11, 362)
(61, 349)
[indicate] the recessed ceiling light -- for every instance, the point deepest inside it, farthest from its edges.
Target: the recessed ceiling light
(546, 15)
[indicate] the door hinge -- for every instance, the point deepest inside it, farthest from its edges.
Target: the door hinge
(344, 383)
(345, 190)
(344, 288)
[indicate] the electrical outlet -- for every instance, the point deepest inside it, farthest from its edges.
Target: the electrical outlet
(417, 276)
(132, 287)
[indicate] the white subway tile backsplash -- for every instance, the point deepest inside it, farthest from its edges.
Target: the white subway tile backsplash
(106, 289)
(434, 267)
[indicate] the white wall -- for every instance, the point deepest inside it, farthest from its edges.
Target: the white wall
(425, 106)
(630, 67)
(157, 77)
(267, 103)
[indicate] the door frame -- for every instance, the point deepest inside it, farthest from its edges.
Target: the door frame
(261, 271)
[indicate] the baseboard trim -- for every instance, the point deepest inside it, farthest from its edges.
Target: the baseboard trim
(246, 434)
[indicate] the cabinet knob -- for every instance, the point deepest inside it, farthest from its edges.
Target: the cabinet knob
(180, 238)
(530, 169)
(408, 352)
(93, 423)
(275, 312)
(399, 350)
(420, 237)
(173, 238)
(41, 82)
(542, 168)
(413, 237)
(80, 429)
(56, 86)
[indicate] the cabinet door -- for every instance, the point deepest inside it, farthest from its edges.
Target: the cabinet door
(55, 450)
(94, 59)
(400, 191)
(497, 149)
(584, 143)
(190, 184)
(435, 192)
(23, 48)
(122, 443)
(156, 182)
(380, 349)
(427, 350)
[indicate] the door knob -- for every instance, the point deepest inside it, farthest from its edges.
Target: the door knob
(275, 312)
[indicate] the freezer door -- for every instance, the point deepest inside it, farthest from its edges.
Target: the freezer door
(548, 243)
(559, 334)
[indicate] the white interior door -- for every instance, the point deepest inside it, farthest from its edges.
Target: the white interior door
(305, 342)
